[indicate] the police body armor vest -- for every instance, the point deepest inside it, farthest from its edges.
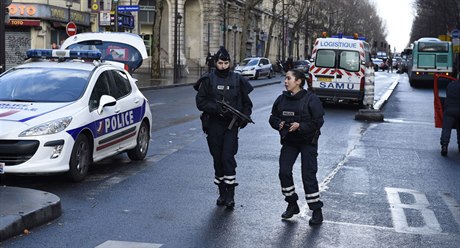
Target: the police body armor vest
(227, 89)
(295, 111)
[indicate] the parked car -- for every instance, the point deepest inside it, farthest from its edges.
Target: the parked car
(255, 67)
(302, 65)
(63, 110)
(397, 61)
(377, 63)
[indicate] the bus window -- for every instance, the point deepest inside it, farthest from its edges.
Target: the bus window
(427, 61)
(433, 47)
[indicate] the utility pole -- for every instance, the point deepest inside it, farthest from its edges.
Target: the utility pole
(2, 36)
(283, 48)
(224, 37)
(176, 13)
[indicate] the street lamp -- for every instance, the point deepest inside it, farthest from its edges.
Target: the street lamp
(179, 19)
(69, 4)
(235, 29)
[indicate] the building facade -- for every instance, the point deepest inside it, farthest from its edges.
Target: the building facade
(203, 26)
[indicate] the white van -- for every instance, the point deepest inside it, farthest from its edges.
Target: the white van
(342, 71)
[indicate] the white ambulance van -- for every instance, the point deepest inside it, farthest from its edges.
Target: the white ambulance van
(342, 71)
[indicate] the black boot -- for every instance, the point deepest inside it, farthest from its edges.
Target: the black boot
(316, 218)
(291, 209)
(229, 199)
(444, 150)
(222, 195)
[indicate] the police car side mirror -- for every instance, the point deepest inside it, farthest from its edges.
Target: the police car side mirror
(105, 101)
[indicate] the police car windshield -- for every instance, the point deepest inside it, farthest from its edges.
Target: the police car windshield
(249, 62)
(43, 85)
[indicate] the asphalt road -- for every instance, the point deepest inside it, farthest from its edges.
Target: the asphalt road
(383, 184)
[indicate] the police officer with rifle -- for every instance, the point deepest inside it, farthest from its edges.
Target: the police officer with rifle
(223, 96)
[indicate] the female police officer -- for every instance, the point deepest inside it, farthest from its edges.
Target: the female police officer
(298, 116)
(226, 86)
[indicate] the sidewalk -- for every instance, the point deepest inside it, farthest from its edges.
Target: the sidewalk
(22, 209)
(167, 79)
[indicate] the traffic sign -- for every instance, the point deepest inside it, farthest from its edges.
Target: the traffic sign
(455, 33)
(71, 29)
(128, 8)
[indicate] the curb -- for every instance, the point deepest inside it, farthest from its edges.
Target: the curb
(376, 113)
(381, 102)
(32, 207)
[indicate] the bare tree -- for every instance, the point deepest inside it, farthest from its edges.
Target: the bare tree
(434, 18)
(275, 19)
(247, 9)
(155, 46)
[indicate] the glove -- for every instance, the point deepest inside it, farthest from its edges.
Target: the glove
(243, 124)
(220, 109)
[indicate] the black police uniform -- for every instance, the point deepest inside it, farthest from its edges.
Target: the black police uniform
(451, 117)
(223, 139)
(305, 108)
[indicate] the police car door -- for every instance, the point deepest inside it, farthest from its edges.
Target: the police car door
(128, 110)
(110, 125)
(104, 128)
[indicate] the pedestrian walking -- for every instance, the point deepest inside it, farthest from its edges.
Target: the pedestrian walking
(210, 62)
(218, 123)
(298, 116)
(451, 116)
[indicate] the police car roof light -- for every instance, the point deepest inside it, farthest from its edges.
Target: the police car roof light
(66, 54)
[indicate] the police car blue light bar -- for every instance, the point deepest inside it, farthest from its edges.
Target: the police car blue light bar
(67, 54)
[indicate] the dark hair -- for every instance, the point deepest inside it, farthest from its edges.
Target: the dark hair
(303, 78)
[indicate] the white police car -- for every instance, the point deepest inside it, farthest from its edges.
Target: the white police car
(62, 110)
(255, 67)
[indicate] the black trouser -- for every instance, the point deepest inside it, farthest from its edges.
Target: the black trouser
(223, 145)
(450, 119)
(288, 156)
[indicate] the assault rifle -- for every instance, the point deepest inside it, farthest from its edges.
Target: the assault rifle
(237, 115)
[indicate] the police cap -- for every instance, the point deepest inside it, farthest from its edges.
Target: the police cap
(222, 54)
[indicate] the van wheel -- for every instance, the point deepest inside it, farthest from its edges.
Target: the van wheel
(143, 138)
(80, 159)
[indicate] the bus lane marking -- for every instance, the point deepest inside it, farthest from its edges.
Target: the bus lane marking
(421, 204)
(453, 206)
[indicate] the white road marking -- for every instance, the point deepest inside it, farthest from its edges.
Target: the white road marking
(421, 205)
(453, 206)
(125, 244)
(156, 104)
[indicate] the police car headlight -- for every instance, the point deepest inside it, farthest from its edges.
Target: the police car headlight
(50, 127)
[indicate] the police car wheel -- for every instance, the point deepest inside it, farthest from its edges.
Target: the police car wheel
(80, 159)
(143, 138)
